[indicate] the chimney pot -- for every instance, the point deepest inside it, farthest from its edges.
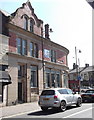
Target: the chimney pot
(86, 65)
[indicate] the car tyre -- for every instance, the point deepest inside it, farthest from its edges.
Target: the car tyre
(63, 106)
(44, 108)
(79, 102)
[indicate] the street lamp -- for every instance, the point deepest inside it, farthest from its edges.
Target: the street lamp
(77, 65)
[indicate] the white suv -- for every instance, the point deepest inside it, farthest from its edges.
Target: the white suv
(58, 98)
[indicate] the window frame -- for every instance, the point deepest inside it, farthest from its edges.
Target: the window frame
(34, 50)
(23, 48)
(19, 46)
(53, 56)
(25, 22)
(31, 25)
(34, 69)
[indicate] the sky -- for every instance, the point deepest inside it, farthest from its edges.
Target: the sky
(70, 20)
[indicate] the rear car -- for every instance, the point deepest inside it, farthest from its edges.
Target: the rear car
(58, 98)
(88, 96)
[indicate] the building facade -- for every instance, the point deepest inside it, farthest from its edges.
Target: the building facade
(34, 62)
(85, 78)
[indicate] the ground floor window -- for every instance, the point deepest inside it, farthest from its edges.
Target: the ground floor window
(52, 78)
(21, 70)
(47, 80)
(65, 77)
(34, 76)
(58, 80)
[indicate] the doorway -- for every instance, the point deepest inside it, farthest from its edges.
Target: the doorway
(19, 92)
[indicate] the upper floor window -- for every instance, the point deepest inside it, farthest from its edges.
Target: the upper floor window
(24, 47)
(53, 56)
(25, 23)
(21, 71)
(33, 50)
(31, 26)
(21, 46)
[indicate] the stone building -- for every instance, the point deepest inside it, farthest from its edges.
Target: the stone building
(85, 77)
(34, 62)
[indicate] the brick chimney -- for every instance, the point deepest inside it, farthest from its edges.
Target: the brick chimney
(74, 66)
(86, 65)
(47, 31)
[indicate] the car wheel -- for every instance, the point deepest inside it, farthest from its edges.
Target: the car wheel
(63, 106)
(44, 108)
(79, 102)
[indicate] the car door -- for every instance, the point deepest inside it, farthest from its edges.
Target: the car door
(64, 95)
(70, 96)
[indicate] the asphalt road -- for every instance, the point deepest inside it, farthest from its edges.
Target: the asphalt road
(85, 111)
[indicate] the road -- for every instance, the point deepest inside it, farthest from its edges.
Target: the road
(85, 111)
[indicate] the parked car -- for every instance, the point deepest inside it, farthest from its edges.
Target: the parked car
(88, 96)
(85, 88)
(58, 98)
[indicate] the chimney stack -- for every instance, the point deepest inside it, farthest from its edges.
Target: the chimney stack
(86, 65)
(75, 66)
(47, 31)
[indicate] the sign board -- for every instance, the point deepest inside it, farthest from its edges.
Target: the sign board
(46, 53)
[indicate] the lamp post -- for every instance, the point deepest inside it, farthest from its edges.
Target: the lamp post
(77, 65)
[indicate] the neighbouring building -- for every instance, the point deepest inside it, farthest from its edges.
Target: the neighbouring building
(85, 77)
(34, 62)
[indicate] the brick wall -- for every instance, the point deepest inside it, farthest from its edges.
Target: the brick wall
(12, 42)
(60, 55)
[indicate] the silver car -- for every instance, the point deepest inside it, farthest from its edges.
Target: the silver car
(58, 98)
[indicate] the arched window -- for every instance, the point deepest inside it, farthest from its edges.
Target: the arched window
(25, 23)
(31, 26)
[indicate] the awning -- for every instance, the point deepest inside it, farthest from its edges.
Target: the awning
(5, 78)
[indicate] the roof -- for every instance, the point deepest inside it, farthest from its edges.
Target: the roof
(75, 70)
(89, 69)
(82, 69)
(4, 12)
(30, 6)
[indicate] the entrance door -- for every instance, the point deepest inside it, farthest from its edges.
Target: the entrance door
(19, 92)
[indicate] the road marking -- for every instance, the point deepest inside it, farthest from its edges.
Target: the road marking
(78, 112)
(17, 114)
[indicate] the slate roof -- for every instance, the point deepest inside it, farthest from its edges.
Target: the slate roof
(83, 69)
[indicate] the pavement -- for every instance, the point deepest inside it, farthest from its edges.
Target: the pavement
(10, 111)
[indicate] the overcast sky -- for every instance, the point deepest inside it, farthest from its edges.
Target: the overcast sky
(71, 21)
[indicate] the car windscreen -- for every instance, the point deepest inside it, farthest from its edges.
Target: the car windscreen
(48, 92)
(89, 91)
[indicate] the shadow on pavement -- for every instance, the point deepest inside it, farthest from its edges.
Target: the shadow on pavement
(50, 111)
